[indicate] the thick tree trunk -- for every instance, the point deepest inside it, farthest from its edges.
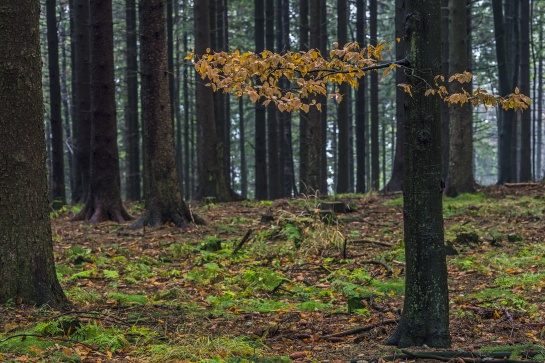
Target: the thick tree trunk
(261, 182)
(396, 180)
(82, 91)
(343, 119)
(56, 189)
(425, 318)
(360, 104)
(104, 199)
(132, 147)
(460, 174)
(27, 268)
(445, 110)
(164, 201)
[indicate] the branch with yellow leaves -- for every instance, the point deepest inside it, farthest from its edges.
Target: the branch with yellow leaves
(258, 75)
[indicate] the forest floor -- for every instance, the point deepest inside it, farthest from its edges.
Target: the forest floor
(294, 290)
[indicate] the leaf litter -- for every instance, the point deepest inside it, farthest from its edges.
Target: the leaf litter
(304, 284)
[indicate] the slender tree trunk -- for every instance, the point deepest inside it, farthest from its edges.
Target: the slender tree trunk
(243, 171)
(164, 201)
(272, 120)
(27, 267)
(132, 145)
(185, 86)
(304, 44)
(375, 157)
(525, 173)
(445, 111)
(82, 91)
(311, 140)
(261, 182)
(396, 180)
(343, 118)
(505, 118)
(287, 168)
(360, 104)
(324, 49)
(460, 175)
(56, 189)
(66, 103)
(104, 198)
(425, 317)
(539, 102)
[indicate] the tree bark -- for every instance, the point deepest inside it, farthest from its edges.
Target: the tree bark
(82, 91)
(445, 110)
(27, 268)
(212, 179)
(272, 119)
(304, 44)
(104, 198)
(396, 180)
(343, 120)
(505, 117)
(525, 173)
(460, 174)
(56, 189)
(132, 147)
(360, 104)
(375, 166)
(261, 182)
(425, 318)
(164, 201)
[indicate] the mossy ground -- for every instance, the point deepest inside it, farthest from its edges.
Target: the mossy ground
(181, 295)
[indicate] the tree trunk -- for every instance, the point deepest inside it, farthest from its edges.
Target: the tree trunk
(261, 182)
(343, 119)
(132, 147)
(212, 178)
(525, 173)
(242, 139)
(82, 91)
(445, 109)
(164, 201)
(104, 198)
(287, 169)
(539, 147)
(396, 180)
(27, 267)
(460, 174)
(425, 318)
(375, 169)
(505, 117)
(360, 104)
(56, 189)
(303, 117)
(272, 120)
(311, 140)
(322, 99)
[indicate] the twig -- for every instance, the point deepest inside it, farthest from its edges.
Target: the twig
(244, 240)
(373, 242)
(376, 262)
(361, 329)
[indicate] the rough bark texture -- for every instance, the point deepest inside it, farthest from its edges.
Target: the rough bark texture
(525, 172)
(505, 117)
(343, 119)
(445, 111)
(104, 198)
(360, 104)
(132, 147)
(212, 179)
(460, 174)
(27, 269)
(375, 169)
(396, 180)
(82, 93)
(261, 182)
(425, 318)
(273, 161)
(164, 201)
(56, 188)
(311, 140)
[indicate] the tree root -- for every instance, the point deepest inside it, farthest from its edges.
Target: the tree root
(96, 211)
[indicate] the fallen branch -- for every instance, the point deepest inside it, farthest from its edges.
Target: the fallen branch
(469, 357)
(373, 242)
(243, 241)
(360, 329)
(376, 262)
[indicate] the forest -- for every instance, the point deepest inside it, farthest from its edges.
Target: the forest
(272, 181)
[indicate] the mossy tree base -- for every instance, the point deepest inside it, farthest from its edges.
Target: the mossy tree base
(97, 211)
(413, 332)
(180, 217)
